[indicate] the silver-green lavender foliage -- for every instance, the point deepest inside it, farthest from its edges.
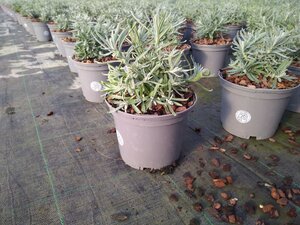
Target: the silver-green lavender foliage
(148, 75)
(263, 53)
(63, 22)
(84, 27)
(210, 23)
(233, 14)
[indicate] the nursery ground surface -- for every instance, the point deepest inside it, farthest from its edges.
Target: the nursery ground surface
(49, 177)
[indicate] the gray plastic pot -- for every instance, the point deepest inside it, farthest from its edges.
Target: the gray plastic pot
(232, 30)
(189, 30)
(15, 16)
(41, 31)
(30, 27)
(247, 112)
(22, 21)
(186, 58)
(212, 57)
(58, 42)
(294, 104)
(90, 74)
(19, 18)
(150, 141)
(69, 49)
(25, 24)
(51, 28)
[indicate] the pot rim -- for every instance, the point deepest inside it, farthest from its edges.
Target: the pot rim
(233, 26)
(109, 62)
(294, 67)
(94, 63)
(58, 32)
(256, 90)
(210, 46)
(147, 116)
(68, 42)
(38, 22)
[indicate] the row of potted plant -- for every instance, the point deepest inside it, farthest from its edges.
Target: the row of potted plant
(213, 26)
(138, 62)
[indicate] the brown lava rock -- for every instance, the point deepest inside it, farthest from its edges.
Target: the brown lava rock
(233, 201)
(214, 174)
(217, 205)
(244, 146)
(234, 150)
(229, 179)
(227, 167)
(247, 156)
(210, 197)
(243, 80)
(229, 138)
(282, 201)
(292, 212)
(260, 222)
(274, 193)
(219, 183)
(50, 113)
(225, 195)
(232, 218)
(270, 210)
(189, 181)
(197, 207)
(173, 197)
(218, 41)
(215, 162)
(112, 130)
(120, 217)
(78, 138)
(69, 39)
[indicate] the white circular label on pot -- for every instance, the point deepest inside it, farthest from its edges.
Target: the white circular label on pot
(46, 33)
(120, 138)
(243, 116)
(25, 24)
(96, 86)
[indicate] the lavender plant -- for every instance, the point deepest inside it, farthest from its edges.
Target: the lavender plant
(148, 76)
(263, 53)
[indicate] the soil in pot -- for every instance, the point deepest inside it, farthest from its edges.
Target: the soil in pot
(294, 104)
(90, 74)
(69, 46)
(253, 110)
(211, 54)
(152, 140)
